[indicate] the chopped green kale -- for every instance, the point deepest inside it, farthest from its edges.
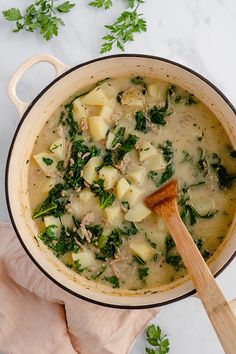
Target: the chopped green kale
(158, 114)
(143, 273)
(128, 144)
(106, 198)
(167, 150)
(47, 161)
(141, 122)
(119, 137)
(225, 179)
(114, 281)
(54, 204)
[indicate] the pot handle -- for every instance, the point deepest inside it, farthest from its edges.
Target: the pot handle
(59, 68)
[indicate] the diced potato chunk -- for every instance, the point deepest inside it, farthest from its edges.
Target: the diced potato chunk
(137, 213)
(109, 174)
(114, 215)
(66, 219)
(86, 258)
(132, 195)
(147, 151)
(89, 172)
(110, 139)
(122, 187)
(133, 97)
(156, 162)
(80, 110)
(86, 195)
(109, 88)
(97, 127)
(106, 113)
(202, 204)
(137, 175)
(47, 163)
(52, 220)
(153, 91)
(58, 148)
(96, 97)
(142, 250)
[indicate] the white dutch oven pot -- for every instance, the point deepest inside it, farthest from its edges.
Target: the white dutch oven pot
(35, 114)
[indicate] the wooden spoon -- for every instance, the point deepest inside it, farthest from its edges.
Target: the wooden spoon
(164, 203)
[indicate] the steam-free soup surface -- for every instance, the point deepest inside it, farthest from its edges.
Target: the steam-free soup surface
(101, 154)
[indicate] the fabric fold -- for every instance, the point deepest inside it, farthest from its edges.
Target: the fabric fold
(37, 316)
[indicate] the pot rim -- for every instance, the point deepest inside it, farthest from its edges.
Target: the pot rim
(24, 116)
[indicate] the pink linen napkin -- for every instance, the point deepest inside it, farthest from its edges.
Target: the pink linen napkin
(38, 317)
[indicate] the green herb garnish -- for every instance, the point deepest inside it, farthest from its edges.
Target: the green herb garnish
(39, 15)
(125, 27)
(156, 339)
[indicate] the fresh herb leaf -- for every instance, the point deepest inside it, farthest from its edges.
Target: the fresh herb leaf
(47, 161)
(141, 122)
(106, 4)
(124, 28)
(106, 198)
(12, 14)
(39, 15)
(156, 339)
(65, 7)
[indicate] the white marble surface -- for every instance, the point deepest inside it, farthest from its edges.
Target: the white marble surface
(198, 33)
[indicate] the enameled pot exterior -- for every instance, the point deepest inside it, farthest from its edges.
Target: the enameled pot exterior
(32, 121)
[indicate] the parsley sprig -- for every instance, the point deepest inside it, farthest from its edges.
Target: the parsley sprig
(40, 15)
(125, 27)
(157, 340)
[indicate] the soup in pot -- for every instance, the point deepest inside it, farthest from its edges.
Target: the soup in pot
(98, 157)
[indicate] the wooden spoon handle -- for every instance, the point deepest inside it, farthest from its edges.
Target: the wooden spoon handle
(219, 311)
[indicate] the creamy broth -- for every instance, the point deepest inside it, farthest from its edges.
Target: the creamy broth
(97, 158)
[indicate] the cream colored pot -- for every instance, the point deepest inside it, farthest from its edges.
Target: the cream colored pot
(35, 115)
